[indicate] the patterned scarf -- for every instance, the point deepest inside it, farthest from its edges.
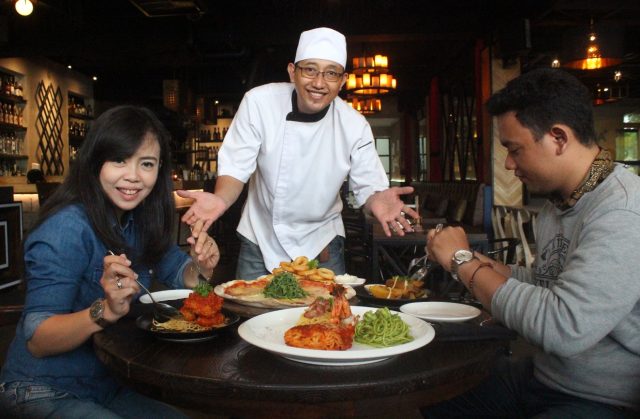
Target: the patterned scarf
(601, 167)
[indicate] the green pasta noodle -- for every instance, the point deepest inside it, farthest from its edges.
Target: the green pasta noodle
(380, 328)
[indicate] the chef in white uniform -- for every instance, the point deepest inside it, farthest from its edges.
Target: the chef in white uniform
(296, 143)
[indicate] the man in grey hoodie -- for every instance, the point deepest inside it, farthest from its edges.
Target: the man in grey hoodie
(580, 301)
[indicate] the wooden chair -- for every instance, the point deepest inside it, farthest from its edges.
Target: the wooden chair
(510, 223)
(45, 190)
(503, 250)
(357, 246)
(524, 242)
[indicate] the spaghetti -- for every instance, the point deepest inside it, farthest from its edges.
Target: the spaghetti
(178, 325)
(323, 336)
(381, 328)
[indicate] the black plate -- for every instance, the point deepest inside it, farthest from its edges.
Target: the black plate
(145, 320)
(363, 295)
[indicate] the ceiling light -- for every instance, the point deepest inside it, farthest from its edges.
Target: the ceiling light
(595, 48)
(366, 105)
(24, 7)
(370, 76)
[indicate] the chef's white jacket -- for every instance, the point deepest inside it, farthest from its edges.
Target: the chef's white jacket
(297, 170)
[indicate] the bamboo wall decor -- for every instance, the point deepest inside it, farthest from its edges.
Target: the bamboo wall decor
(49, 129)
(460, 141)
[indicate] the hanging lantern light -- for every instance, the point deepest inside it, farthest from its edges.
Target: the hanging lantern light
(592, 48)
(371, 76)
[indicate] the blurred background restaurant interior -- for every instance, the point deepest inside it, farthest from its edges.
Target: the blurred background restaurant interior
(430, 66)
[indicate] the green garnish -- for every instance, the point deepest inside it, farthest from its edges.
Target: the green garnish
(203, 289)
(313, 264)
(284, 285)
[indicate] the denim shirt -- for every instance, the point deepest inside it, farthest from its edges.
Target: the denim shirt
(64, 263)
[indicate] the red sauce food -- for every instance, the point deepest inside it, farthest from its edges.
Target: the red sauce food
(204, 311)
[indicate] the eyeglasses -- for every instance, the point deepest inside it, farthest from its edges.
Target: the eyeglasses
(312, 73)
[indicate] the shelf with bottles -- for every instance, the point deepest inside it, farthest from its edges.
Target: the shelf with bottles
(80, 107)
(11, 145)
(12, 160)
(12, 166)
(5, 127)
(11, 114)
(77, 131)
(80, 112)
(7, 156)
(211, 134)
(11, 89)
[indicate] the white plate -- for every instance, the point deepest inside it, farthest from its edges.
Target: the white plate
(440, 311)
(266, 302)
(352, 280)
(267, 330)
(166, 295)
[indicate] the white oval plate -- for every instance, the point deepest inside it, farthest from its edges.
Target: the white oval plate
(436, 311)
(352, 280)
(166, 295)
(267, 330)
(265, 302)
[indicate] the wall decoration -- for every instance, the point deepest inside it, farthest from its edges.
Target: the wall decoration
(460, 140)
(49, 129)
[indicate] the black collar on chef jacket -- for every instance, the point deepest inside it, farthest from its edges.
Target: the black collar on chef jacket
(298, 116)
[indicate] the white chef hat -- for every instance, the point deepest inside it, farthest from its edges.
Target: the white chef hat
(322, 44)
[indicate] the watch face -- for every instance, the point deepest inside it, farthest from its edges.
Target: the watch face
(96, 310)
(462, 256)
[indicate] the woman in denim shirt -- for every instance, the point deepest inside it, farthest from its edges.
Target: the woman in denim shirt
(118, 196)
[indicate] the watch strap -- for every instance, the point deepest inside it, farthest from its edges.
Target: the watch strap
(102, 322)
(97, 311)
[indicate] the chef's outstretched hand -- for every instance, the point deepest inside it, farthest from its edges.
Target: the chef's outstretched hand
(207, 207)
(391, 212)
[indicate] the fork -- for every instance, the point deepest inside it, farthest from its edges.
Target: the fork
(162, 312)
(423, 261)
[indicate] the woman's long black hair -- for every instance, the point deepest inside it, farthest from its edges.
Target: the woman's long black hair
(116, 135)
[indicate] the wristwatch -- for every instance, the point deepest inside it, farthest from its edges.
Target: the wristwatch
(459, 257)
(96, 311)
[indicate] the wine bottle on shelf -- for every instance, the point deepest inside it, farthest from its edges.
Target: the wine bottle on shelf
(19, 90)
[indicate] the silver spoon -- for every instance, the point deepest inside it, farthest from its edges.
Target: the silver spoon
(162, 312)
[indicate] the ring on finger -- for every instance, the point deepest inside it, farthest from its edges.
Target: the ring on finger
(119, 284)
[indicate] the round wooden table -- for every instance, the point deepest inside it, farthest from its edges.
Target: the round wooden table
(228, 376)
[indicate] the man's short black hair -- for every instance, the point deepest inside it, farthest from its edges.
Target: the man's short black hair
(544, 97)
